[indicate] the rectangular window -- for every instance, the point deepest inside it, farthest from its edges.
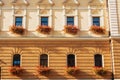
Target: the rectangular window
(18, 21)
(70, 20)
(44, 21)
(96, 21)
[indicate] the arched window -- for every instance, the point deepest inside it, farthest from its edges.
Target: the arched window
(16, 60)
(98, 60)
(70, 60)
(44, 60)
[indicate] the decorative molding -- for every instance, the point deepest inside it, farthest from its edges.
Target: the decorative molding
(76, 1)
(49, 1)
(96, 3)
(72, 50)
(17, 50)
(95, 11)
(18, 11)
(1, 3)
(20, 2)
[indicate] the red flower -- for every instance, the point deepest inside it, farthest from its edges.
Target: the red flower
(43, 70)
(71, 29)
(17, 30)
(72, 70)
(97, 29)
(15, 70)
(99, 70)
(43, 29)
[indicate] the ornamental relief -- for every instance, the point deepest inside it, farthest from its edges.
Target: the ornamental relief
(19, 11)
(44, 11)
(95, 11)
(69, 11)
(17, 50)
(72, 50)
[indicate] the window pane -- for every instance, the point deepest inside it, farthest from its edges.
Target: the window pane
(70, 60)
(18, 21)
(96, 21)
(70, 20)
(44, 60)
(98, 60)
(16, 60)
(44, 21)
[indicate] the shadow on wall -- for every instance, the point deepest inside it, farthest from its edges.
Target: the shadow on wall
(28, 75)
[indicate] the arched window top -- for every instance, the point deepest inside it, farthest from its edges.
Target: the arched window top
(16, 56)
(98, 60)
(44, 60)
(43, 56)
(98, 55)
(16, 60)
(71, 55)
(70, 60)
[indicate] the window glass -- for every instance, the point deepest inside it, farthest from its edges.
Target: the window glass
(98, 60)
(44, 60)
(70, 20)
(70, 60)
(16, 60)
(44, 21)
(96, 21)
(18, 21)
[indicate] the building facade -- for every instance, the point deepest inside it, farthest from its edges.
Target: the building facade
(114, 11)
(55, 34)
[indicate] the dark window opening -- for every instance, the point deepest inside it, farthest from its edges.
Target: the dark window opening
(44, 60)
(98, 60)
(18, 21)
(71, 60)
(16, 60)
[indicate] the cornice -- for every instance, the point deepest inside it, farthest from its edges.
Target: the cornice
(22, 2)
(49, 1)
(76, 1)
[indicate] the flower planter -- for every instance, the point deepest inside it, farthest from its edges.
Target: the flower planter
(72, 70)
(43, 70)
(97, 30)
(43, 29)
(16, 71)
(17, 30)
(99, 71)
(70, 29)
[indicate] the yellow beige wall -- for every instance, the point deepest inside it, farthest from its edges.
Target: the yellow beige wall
(57, 50)
(31, 14)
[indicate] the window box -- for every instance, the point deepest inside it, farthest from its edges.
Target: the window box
(97, 30)
(72, 70)
(43, 29)
(19, 30)
(43, 70)
(16, 70)
(99, 71)
(71, 29)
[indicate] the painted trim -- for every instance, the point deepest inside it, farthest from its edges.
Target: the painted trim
(24, 1)
(76, 1)
(50, 1)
